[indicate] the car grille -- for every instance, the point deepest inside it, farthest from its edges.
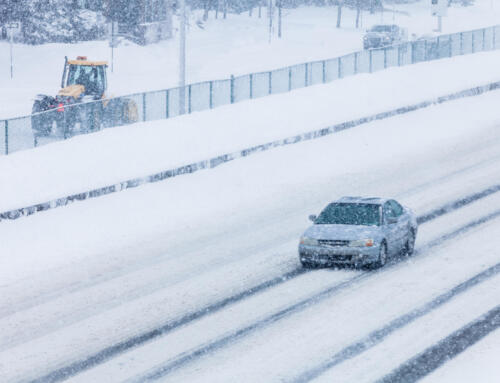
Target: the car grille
(333, 242)
(336, 258)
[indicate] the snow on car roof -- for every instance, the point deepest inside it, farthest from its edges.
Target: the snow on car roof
(371, 200)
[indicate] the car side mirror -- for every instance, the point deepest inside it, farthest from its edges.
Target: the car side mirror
(391, 220)
(312, 217)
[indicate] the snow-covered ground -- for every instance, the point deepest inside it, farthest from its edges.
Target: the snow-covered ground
(84, 277)
(237, 45)
(119, 154)
(211, 259)
(479, 363)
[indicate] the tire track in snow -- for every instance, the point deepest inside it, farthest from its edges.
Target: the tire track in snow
(435, 356)
(138, 340)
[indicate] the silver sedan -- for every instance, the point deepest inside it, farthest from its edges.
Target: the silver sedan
(358, 231)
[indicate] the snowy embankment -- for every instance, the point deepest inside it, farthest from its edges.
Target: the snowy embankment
(237, 45)
(115, 155)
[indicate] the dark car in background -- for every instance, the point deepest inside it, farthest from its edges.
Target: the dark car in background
(380, 36)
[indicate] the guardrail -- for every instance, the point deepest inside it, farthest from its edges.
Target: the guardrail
(221, 159)
(57, 124)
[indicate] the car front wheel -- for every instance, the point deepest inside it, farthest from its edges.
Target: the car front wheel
(308, 264)
(382, 256)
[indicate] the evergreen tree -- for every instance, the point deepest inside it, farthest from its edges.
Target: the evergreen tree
(49, 21)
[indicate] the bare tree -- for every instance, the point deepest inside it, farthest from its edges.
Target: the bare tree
(340, 3)
(206, 8)
(358, 12)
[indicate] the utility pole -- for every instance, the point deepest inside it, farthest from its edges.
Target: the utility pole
(270, 12)
(182, 58)
(113, 43)
(279, 18)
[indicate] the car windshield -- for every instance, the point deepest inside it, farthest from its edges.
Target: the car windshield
(350, 214)
(381, 28)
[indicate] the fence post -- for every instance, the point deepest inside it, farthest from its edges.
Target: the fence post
(484, 39)
(461, 43)
(144, 107)
(211, 101)
(289, 79)
(385, 58)
(251, 85)
(339, 60)
(494, 38)
(306, 80)
(189, 99)
(356, 55)
(324, 72)
(473, 41)
(371, 61)
(6, 137)
(167, 103)
(270, 82)
(413, 53)
(399, 55)
(232, 90)
(450, 41)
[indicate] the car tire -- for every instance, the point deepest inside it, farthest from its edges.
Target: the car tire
(382, 256)
(307, 265)
(410, 244)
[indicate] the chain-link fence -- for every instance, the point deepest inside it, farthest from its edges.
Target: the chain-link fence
(64, 121)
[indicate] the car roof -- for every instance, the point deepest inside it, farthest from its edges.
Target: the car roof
(368, 200)
(385, 25)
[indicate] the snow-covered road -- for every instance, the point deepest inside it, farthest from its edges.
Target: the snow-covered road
(208, 239)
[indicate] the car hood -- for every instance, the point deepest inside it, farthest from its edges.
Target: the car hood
(342, 232)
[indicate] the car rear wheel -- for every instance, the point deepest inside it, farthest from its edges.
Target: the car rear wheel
(410, 243)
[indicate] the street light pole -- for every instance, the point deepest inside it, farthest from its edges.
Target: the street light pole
(11, 27)
(11, 64)
(182, 58)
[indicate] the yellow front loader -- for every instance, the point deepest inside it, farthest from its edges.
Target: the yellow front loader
(81, 106)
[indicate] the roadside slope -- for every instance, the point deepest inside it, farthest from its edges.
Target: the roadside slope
(115, 155)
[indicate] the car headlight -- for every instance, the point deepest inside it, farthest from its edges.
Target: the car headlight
(308, 241)
(361, 243)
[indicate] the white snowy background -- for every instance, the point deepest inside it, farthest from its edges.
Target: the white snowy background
(77, 279)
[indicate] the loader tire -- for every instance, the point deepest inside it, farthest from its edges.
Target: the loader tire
(41, 124)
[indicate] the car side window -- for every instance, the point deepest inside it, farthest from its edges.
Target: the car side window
(388, 211)
(396, 208)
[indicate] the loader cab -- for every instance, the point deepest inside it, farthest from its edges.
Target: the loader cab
(90, 74)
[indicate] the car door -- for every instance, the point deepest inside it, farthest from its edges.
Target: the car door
(402, 224)
(391, 228)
